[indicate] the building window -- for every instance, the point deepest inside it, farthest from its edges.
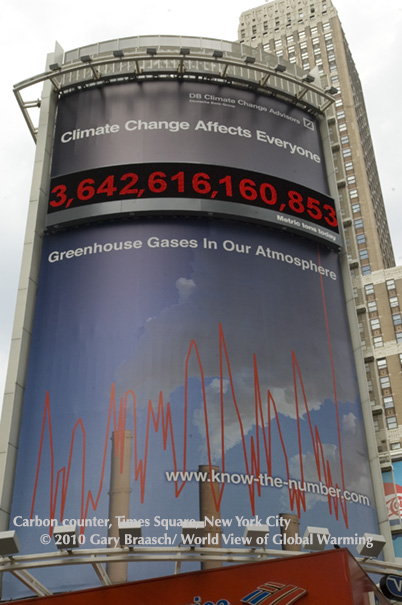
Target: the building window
(397, 319)
(382, 364)
(392, 422)
(385, 382)
(366, 270)
(376, 424)
(358, 223)
(393, 301)
(395, 445)
(390, 284)
(388, 402)
(398, 336)
(363, 254)
(353, 193)
(361, 238)
(375, 324)
(355, 208)
(372, 306)
(378, 341)
(369, 289)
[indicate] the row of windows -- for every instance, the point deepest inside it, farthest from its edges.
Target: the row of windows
(289, 38)
(360, 237)
(385, 385)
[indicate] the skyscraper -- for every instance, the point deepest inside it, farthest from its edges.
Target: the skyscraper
(309, 33)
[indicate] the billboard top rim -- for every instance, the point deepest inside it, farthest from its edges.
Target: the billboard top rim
(146, 58)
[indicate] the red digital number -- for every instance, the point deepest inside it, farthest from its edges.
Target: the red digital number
(313, 208)
(295, 202)
(107, 186)
(179, 177)
(247, 189)
(156, 183)
(273, 196)
(200, 183)
(331, 219)
(60, 191)
(86, 189)
(132, 178)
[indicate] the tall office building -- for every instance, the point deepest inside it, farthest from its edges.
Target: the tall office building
(309, 33)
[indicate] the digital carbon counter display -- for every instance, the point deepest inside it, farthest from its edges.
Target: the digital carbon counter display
(192, 181)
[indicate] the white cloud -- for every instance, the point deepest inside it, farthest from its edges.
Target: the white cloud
(349, 423)
(185, 288)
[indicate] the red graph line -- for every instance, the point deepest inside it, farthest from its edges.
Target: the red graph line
(255, 449)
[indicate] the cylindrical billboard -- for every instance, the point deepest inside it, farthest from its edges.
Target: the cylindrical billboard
(191, 305)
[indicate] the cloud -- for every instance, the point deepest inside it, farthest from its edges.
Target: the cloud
(349, 423)
(185, 288)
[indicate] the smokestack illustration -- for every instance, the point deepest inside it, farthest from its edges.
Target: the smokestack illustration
(208, 509)
(291, 532)
(119, 498)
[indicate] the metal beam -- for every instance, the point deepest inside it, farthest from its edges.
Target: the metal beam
(31, 582)
(101, 573)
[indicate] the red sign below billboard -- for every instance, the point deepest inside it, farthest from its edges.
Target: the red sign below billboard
(332, 577)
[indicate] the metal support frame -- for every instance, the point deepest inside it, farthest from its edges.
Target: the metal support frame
(19, 565)
(31, 582)
(139, 64)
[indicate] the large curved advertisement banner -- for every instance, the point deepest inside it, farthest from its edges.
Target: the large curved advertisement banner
(221, 351)
(189, 148)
